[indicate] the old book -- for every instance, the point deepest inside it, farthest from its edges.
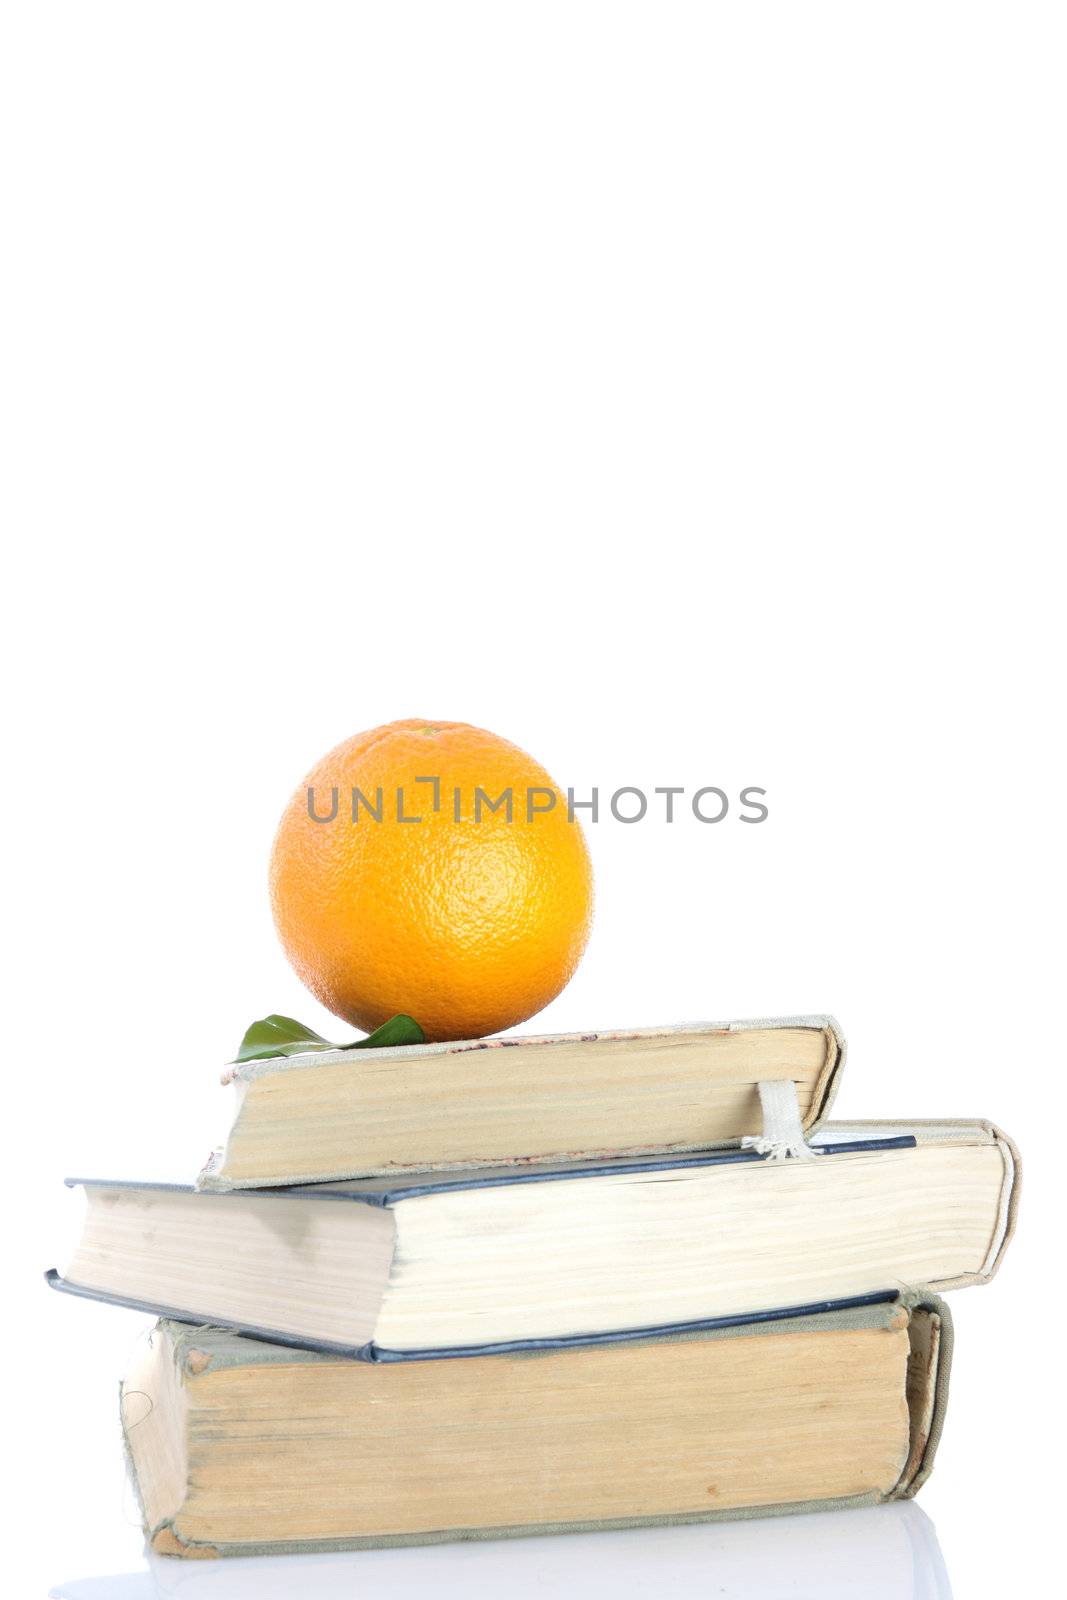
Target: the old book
(434, 1265)
(239, 1447)
(344, 1114)
(885, 1552)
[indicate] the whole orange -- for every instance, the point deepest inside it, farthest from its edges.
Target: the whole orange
(467, 919)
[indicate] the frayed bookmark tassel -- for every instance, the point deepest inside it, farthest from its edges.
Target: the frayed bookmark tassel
(783, 1133)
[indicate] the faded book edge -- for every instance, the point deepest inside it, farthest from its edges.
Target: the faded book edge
(195, 1350)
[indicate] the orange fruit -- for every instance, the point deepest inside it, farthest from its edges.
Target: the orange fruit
(465, 920)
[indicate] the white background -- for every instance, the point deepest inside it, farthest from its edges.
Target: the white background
(675, 390)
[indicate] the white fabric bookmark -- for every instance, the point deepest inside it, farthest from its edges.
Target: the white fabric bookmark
(783, 1131)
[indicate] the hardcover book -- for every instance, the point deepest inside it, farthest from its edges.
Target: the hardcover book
(239, 1447)
(885, 1552)
(433, 1265)
(349, 1113)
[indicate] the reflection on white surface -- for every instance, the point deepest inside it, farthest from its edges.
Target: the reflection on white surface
(882, 1553)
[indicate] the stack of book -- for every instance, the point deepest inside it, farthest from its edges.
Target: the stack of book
(465, 1291)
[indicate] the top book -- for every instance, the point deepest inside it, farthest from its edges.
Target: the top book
(369, 1113)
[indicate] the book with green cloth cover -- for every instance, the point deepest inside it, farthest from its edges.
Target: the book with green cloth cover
(239, 1447)
(325, 1113)
(882, 1552)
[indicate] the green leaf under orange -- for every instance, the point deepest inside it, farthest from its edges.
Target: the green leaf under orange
(283, 1036)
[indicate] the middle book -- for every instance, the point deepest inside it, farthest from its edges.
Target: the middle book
(433, 1265)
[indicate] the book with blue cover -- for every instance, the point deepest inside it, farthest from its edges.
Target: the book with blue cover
(434, 1265)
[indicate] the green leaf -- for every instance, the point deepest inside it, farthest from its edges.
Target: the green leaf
(283, 1036)
(278, 1036)
(400, 1029)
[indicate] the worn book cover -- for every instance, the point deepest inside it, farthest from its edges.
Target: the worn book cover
(239, 1447)
(342, 1114)
(885, 1552)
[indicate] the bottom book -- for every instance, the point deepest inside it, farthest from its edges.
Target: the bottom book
(878, 1552)
(239, 1447)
